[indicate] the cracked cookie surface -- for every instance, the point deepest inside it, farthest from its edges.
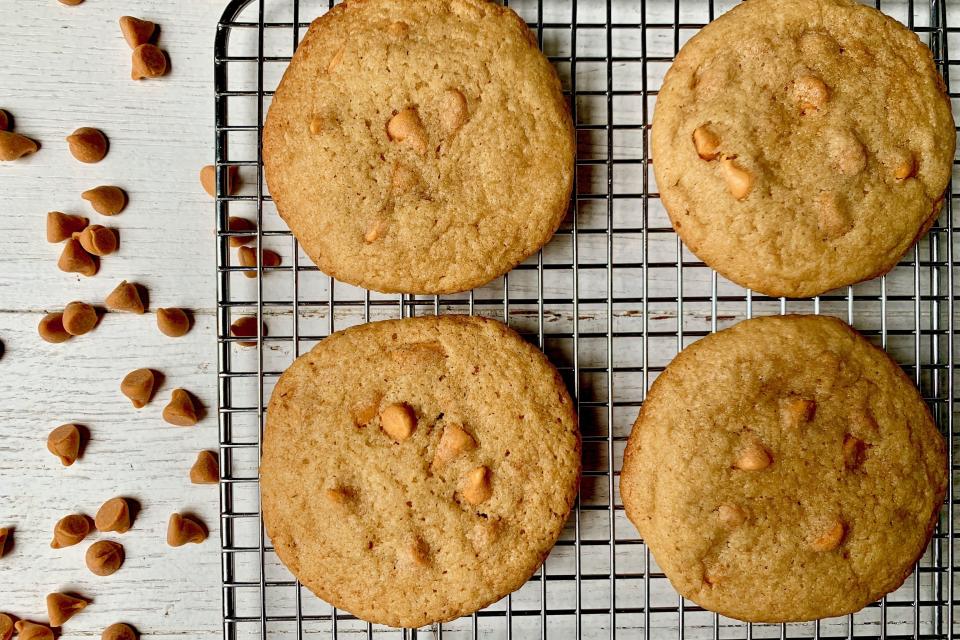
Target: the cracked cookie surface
(417, 470)
(802, 145)
(419, 146)
(784, 469)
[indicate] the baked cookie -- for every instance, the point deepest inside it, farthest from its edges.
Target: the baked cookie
(417, 470)
(419, 146)
(784, 470)
(802, 145)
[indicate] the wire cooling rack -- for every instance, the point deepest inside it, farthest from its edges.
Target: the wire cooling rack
(611, 300)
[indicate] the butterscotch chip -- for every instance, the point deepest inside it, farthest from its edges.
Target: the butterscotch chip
(182, 529)
(79, 318)
(31, 630)
(331, 476)
(206, 469)
(237, 224)
(75, 259)
(454, 441)
(51, 328)
(64, 442)
(14, 146)
(70, 530)
(98, 240)
(476, 486)
(119, 631)
(136, 31)
(104, 557)
(106, 199)
(4, 120)
(398, 421)
(4, 536)
(173, 322)
(246, 327)
(181, 410)
(811, 97)
(148, 61)
(125, 297)
(484, 122)
(248, 258)
(706, 142)
(208, 179)
(113, 515)
(138, 386)
(71, 3)
(6, 627)
(61, 607)
(88, 145)
(753, 457)
(61, 226)
(822, 504)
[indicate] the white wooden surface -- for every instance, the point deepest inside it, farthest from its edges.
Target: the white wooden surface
(62, 68)
(65, 67)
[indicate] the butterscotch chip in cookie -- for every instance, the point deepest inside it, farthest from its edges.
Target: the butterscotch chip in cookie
(61, 607)
(64, 442)
(445, 448)
(482, 132)
(801, 146)
(125, 297)
(206, 469)
(138, 385)
(113, 515)
(752, 472)
(61, 226)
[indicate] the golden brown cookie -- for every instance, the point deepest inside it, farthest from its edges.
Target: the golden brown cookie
(802, 145)
(419, 146)
(784, 469)
(417, 470)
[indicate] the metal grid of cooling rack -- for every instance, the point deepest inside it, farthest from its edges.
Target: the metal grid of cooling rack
(611, 300)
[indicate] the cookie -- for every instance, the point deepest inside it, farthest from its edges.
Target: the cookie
(784, 470)
(802, 145)
(417, 470)
(419, 146)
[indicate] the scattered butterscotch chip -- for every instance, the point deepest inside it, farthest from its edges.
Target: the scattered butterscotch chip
(104, 558)
(454, 111)
(739, 180)
(830, 538)
(98, 240)
(706, 142)
(70, 530)
(31, 630)
(406, 127)
(14, 146)
(4, 121)
(236, 224)
(6, 627)
(248, 258)
(61, 226)
(136, 31)
(4, 536)
(398, 421)
(182, 529)
(453, 442)
(206, 469)
(51, 328)
(64, 442)
(811, 94)
(476, 486)
(246, 327)
(906, 169)
(181, 410)
(208, 179)
(79, 318)
(113, 515)
(148, 61)
(71, 3)
(119, 631)
(125, 297)
(173, 322)
(138, 386)
(88, 145)
(75, 259)
(61, 607)
(106, 199)
(753, 457)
